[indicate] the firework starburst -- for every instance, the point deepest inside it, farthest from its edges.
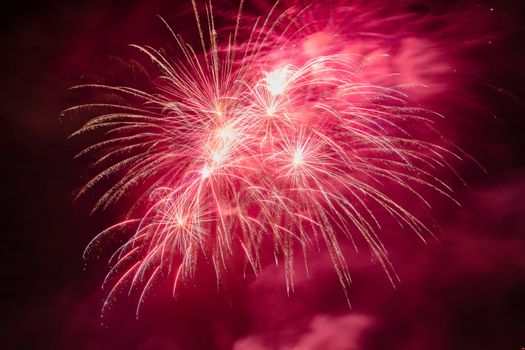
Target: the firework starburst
(247, 141)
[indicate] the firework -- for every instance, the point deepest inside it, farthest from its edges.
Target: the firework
(250, 140)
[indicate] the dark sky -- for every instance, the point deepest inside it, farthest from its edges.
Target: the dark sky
(463, 291)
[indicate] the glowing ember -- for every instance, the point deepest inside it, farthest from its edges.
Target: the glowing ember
(276, 81)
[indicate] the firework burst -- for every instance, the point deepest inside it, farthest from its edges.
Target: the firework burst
(249, 140)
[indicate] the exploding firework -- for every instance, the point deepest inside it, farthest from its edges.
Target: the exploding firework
(254, 140)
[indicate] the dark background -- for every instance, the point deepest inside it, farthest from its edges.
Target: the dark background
(465, 292)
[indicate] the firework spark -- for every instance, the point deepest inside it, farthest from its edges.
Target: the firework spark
(247, 141)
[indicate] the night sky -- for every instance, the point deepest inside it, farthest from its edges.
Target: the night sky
(463, 290)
